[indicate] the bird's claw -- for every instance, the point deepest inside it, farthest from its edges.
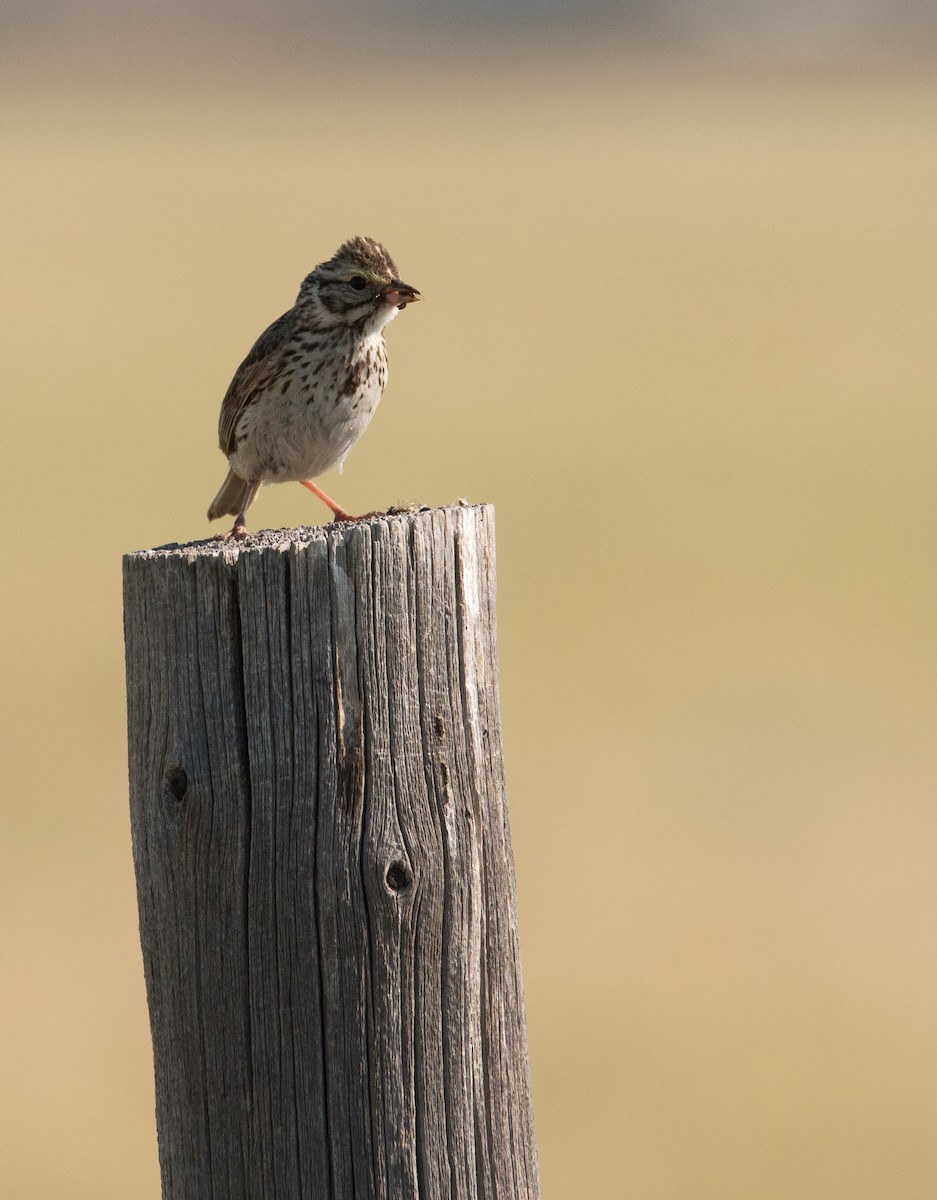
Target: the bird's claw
(341, 517)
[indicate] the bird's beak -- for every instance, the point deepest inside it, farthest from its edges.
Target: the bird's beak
(400, 294)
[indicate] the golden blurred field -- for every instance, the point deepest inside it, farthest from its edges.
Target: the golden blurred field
(679, 328)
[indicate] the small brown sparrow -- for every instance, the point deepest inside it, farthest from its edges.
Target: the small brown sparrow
(311, 383)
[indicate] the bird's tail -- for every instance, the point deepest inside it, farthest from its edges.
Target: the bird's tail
(230, 498)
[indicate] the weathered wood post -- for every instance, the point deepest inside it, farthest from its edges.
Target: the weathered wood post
(324, 868)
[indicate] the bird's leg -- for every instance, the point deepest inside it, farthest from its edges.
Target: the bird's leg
(239, 529)
(338, 511)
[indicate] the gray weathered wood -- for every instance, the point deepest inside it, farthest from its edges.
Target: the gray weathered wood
(324, 870)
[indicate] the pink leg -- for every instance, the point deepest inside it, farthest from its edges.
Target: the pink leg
(338, 511)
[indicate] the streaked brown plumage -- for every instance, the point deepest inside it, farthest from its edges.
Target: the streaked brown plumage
(312, 381)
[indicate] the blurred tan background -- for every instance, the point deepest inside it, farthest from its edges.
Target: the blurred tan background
(679, 329)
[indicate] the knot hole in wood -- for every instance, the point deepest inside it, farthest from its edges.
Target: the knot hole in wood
(398, 877)
(177, 781)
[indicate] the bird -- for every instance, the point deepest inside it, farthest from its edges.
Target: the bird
(312, 381)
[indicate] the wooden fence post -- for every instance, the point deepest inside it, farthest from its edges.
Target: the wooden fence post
(323, 861)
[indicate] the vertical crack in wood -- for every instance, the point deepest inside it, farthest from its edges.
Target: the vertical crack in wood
(182, 660)
(420, 999)
(281, 702)
(318, 898)
(398, 665)
(194, 665)
(316, 639)
(237, 642)
(360, 544)
(367, 590)
(293, 1021)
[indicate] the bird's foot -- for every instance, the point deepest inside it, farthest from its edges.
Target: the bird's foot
(341, 516)
(237, 532)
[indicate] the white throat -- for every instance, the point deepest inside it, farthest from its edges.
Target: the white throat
(383, 315)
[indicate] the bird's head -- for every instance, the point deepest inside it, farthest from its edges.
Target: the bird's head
(358, 286)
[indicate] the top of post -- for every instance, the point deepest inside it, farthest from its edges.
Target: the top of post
(298, 537)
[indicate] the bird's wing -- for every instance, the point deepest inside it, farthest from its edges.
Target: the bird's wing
(254, 374)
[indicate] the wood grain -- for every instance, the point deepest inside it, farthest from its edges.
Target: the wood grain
(324, 869)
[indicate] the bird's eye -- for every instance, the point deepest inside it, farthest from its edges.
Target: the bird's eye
(358, 282)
